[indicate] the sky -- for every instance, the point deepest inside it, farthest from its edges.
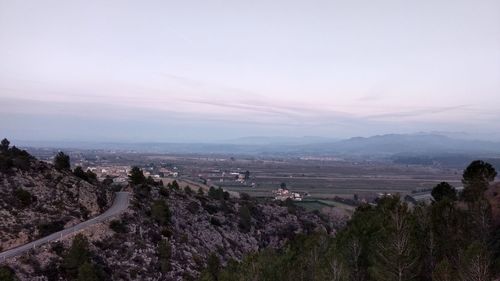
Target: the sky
(195, 71)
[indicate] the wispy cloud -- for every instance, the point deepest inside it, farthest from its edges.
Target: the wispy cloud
(417, 112)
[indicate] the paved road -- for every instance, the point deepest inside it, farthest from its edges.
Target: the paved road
(119, 205)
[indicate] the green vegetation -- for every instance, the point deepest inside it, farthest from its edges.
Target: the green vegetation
(218, 194)
(476, 179)
(77, 255)
(136, 176)
(245, 222)
(77, 262)
(213, 269)
(23, 197)
(48, 228)
(61, 161)
(118, 226)
(444, 191)
(163, 191)
(87, 272)
(200, 192)
(12, 157)
(160, 212)
(88, 175)
(188, 190)
(449, 239)
(6, 273)
(173, 185)
(164, 255)
(4, 145)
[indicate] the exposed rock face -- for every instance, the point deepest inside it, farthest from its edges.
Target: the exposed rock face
(198, 226)
(39, 199)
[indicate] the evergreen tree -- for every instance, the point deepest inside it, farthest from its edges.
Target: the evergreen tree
(164, 255)
(245, 222)
(476, 179)
(136, 176)
(4, 145)
(7, 274)
(160, 212)
(444, 190)
(397, 256)
(78, 171)
(61, 161)
(77, 255)
(476, 263)
(211, 273)
(443, 272)
(188, 190)
(87, 272)
(175, 185)
(200, 192)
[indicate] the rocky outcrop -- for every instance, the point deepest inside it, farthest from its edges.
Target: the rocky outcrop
(38, 199)
(197, 226)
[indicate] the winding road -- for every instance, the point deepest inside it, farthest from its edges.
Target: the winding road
(120, 204)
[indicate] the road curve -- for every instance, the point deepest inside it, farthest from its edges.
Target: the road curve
(120, 204)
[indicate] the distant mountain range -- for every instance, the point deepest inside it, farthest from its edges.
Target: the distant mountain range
(411, 143)
(381, 145)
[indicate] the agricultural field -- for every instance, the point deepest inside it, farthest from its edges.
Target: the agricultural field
(320, 179)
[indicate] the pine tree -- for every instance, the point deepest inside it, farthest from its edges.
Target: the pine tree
(136, 176)
(87, 272)
(61, 161)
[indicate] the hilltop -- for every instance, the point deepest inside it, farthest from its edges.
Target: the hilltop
(37, 199)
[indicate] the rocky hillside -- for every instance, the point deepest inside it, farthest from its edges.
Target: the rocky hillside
(37, 199)
(171, 234)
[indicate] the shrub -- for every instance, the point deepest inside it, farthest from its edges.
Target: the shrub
(210, 208)
(174, 185)
(213, 268)
(78, 172)
(164, 255)
(87, 272)
(164, 192)
(214, 221)
(160, 212)
(77, 255)
(245, 222)
(193, 207)
(58, 248)
(7, 274)
(245, 196)
(218, 194)
(188, 190)
(45, 229)
(118, 226)
(23, 197)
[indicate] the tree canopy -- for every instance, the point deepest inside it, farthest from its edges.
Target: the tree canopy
(444, 191)
(476, 179)
(61, 161)
(136, 176)
(443, 241)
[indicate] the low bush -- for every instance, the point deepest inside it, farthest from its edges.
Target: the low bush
(23, 197)
(45, 229)
(118, 226)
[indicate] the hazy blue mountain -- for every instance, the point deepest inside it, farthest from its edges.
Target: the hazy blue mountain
(262, 140)
(401, 143)
(381, 145)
